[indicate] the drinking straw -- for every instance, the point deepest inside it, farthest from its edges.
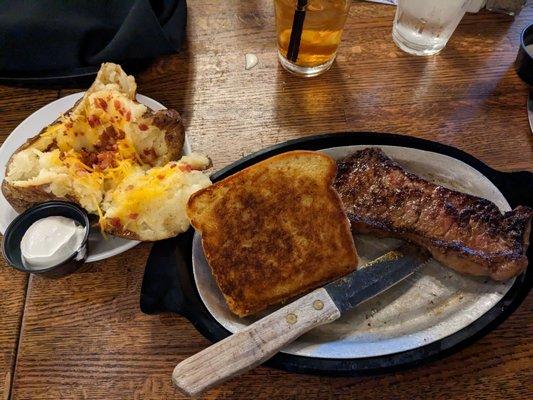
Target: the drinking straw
(297, 28)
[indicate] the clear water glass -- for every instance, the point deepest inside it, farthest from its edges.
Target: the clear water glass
(423, 27)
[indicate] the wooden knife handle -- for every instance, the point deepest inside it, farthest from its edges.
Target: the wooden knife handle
(255, 344)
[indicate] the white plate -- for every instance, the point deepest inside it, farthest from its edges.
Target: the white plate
(99, 248)
(428, 306)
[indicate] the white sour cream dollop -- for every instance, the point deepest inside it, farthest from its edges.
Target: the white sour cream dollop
(50, 241)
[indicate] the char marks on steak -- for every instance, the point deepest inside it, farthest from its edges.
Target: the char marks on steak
(464, 232)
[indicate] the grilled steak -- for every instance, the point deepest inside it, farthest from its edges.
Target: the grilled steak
(464, 232)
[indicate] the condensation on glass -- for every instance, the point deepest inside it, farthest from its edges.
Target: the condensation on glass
(423, 27)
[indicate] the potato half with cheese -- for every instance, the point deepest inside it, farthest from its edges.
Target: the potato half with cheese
(152, 201)
(106, 143)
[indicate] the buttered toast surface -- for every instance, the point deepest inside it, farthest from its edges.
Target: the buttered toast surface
(274, 230)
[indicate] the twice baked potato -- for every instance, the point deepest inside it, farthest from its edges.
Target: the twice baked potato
(101, 153)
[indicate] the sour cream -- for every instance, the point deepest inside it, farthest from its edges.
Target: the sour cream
(50, 241)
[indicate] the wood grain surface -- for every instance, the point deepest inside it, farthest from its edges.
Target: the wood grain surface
(84, 337)
(15, 105)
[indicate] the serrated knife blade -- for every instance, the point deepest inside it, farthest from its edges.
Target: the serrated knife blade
(376, 277)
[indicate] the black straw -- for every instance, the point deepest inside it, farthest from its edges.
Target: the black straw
(297, 28)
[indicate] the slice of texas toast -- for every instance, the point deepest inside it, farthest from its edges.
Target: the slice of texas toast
(274, 230)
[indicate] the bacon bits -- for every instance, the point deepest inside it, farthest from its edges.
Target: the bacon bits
(148, 156)
(88, 158)
(108, 139)
(105, 160)
(122, 111)
(185, 167)
(100, 103)
(101, 161)
(118, 107)
(93, 121)
(115, 222)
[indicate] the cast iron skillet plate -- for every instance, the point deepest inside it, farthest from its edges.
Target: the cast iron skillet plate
(432, 314)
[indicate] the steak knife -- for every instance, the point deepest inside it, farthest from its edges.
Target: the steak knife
(259, 341)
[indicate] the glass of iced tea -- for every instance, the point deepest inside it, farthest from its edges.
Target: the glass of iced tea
(309, 33)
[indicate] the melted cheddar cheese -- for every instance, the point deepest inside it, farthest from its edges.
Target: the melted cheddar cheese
(155, 200)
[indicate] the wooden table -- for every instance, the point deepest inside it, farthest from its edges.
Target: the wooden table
(84, 336)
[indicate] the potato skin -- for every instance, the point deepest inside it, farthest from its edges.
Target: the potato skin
(119, 231)
(22, 198)
(170, 122)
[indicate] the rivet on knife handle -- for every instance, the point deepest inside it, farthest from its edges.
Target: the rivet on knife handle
(254, 344)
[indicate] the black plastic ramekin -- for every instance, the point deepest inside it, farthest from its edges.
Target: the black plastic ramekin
(15, 231)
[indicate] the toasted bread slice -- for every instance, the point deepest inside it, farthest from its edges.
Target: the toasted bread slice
(274, 230)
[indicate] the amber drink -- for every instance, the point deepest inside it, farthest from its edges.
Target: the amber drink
(315, 42)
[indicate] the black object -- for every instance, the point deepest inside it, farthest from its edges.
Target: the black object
(524, 59)
(168, 283)
(58, 41)
(17, 228)
(296, 31)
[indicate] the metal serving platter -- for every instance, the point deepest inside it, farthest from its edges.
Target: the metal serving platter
(433, 314)
(433, 304)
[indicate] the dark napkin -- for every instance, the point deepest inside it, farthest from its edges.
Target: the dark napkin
(60, 38)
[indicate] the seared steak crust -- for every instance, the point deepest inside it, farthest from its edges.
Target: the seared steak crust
(464, 232)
